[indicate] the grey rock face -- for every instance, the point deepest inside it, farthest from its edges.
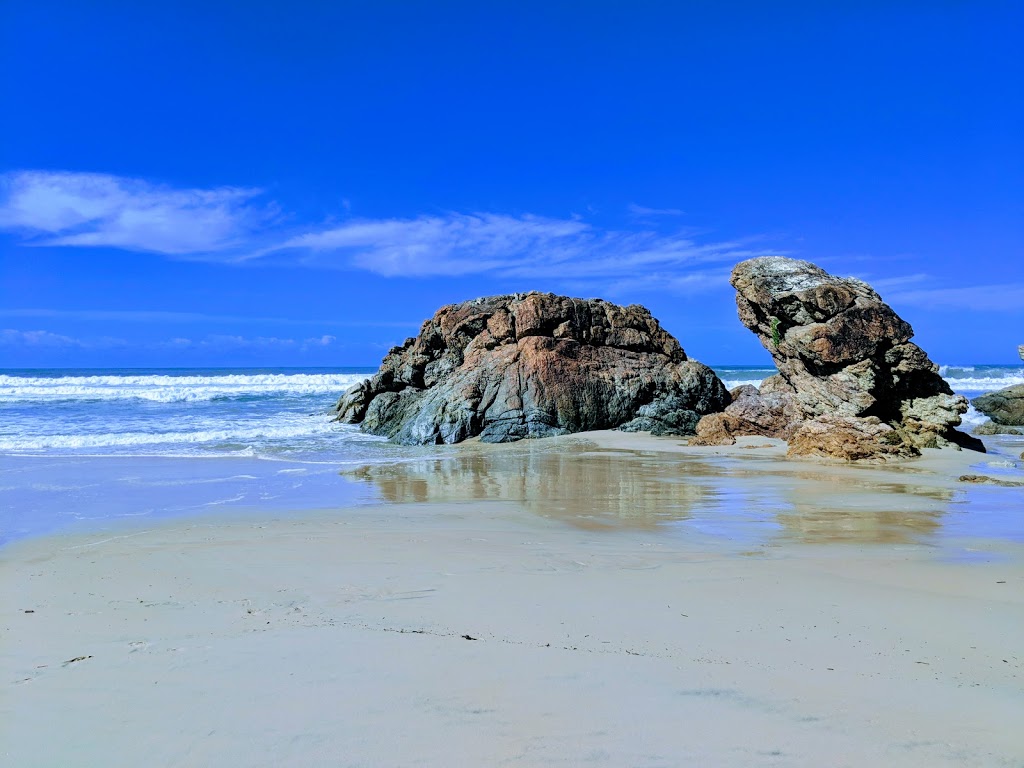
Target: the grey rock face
(842, 354)
(533, 365)
(1005, 406)
(991, 428)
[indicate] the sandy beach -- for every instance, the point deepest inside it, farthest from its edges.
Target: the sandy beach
(605, 599)
(523, 385)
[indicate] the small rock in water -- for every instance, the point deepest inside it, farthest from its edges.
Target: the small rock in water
(1004, 406)
(991, 428)
(986, 480)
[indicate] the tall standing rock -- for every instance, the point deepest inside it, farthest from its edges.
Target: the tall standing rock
(533, 365)
(851, 384)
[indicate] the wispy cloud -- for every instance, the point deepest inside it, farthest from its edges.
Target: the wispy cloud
(228, 224)
(922, 291)
(510, 246)
(1005, 298)
(885, 284)
(159, 316)
(692, 282)
(455, 244)
(643, 212)
(40, 339)
(94, 209)
(234, 342)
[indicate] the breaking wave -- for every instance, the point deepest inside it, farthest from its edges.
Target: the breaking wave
(166, 388)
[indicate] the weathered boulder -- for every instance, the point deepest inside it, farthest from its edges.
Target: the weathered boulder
(850, 438)
(843, 355)
(533, 365)
(991, 428)
(751, 412)
(1004, 406)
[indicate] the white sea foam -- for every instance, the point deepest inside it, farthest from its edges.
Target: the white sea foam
(260, 432)
(733, 383)
(170, 389)
(985, 383)
(953, 374)
(972, 418)
(266, 414)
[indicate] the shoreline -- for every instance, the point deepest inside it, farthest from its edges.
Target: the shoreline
(475, 614)
(665, 480)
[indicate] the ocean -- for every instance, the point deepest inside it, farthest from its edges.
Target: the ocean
(98, 445)
(265, 412)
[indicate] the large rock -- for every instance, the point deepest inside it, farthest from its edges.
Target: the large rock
(846, 365)
(533, 365)
(1005, 406)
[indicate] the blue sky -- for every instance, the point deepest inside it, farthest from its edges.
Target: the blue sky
(256, 183)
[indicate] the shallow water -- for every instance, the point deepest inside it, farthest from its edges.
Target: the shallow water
(749, 500)
(93, 449)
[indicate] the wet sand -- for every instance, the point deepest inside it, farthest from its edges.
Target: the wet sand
(610, 600)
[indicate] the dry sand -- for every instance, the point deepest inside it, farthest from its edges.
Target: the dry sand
(616, 604)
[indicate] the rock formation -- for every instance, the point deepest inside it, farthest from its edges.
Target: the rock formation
(850, 385)
(1004, 406)
(533, 365)
(751, 412)
(991, 428)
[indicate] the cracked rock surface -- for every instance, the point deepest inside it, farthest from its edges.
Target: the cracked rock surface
(851, 384)
(533, 365)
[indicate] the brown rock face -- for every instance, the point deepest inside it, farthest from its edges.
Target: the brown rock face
(533, 365)
(850, 438)
(846, 366)
(751, 412)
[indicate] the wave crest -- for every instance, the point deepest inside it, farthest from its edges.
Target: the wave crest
(171, 389)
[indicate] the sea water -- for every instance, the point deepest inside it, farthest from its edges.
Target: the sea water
(80, 447)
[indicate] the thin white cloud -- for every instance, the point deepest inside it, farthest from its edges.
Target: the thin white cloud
(885, 284)
(95, 209)
(324, 341)
(689, 284)
(225, 224)
(643, 212)
(510, 246)
(455, 244)
(237, 342)
(13, 338)
(160, 316)
(10, 337)
(1005, 298)
(242, 342)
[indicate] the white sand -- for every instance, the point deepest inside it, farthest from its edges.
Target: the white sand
(336, 639)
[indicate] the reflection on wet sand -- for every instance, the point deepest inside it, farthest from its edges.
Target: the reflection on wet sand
(898, 514)
(757, 500)
(848, 504)
(587, 489)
